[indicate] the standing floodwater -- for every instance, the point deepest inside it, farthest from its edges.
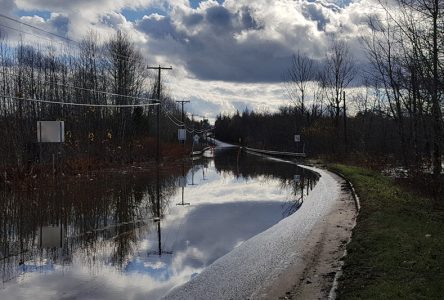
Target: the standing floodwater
(131, 236)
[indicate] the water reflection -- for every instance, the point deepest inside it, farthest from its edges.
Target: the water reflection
(123, 236)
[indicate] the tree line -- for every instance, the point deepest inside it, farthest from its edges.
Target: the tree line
(392, 111)
(112, 72)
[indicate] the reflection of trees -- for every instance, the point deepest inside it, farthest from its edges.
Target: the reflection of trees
(300, 189)
(101, 219)
(251, 166)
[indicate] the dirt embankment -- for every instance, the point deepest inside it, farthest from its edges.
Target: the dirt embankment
(325, 248)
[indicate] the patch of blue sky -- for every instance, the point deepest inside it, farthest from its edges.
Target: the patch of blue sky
(195, 3)
(41, 13)
(153, 266)
(137, 14)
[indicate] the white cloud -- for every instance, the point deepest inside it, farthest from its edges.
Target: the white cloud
(224, 45)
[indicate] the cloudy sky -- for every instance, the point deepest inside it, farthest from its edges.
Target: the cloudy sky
(226, 55)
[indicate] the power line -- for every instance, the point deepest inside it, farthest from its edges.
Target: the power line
(171, 115)
(79, 104)
(84, 89)
(37, 28)
(123, 57)
(25, 32)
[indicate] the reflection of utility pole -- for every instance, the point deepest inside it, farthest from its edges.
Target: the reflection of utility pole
(203, 173)
(159, 243)
(183, 183)
(158, 218)
(159, 69)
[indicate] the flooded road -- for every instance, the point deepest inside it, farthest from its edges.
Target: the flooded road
(137, 236)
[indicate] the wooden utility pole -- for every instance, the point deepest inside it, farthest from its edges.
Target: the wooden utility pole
(159, 71)
(183, 116)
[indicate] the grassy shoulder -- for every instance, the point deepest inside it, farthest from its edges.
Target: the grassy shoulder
(397, 246)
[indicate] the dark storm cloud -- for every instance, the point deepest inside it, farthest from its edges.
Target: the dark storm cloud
(214, 53)
(60, 22)
(246, 65)
(7, 6)
(247, 41)
(193, 19)
(157, 26)
(247, 19)
(218, 16)
(315, 13)
(238, 41)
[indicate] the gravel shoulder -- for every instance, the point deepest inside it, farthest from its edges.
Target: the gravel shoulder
(322, 257)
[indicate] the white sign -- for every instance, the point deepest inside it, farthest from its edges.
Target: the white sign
(182, 134)
(297, 178)
(196, 139)
(50, 131)
(297, 138)
(182, 181)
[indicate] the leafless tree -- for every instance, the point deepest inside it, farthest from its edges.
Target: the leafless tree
(300, 74)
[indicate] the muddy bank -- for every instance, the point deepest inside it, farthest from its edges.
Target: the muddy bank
(322, 258)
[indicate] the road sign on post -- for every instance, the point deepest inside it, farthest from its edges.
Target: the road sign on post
(182, 134)
(196, 139)
(50, 131)
(297, 138)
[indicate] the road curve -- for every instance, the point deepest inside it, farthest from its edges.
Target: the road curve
(256, 268)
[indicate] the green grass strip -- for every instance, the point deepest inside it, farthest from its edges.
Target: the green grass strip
(397, 247)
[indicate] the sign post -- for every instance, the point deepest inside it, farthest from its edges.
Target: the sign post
(297, 139)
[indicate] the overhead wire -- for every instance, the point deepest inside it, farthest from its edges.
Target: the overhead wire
(79, 104)
(66, 39)
(180, 124)
(84, 89)
(69, 40)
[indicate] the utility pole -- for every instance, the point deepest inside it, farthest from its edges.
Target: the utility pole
(159, 216)
(159, 71)
(183, 116)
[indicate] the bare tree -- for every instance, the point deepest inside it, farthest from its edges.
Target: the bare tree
(300, 74)
(126, 70)
(339, 73)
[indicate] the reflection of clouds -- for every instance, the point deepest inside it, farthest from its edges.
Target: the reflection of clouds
(225, 211)
(215, 229)
(77, 284)
(222, 188)
(154, 265)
